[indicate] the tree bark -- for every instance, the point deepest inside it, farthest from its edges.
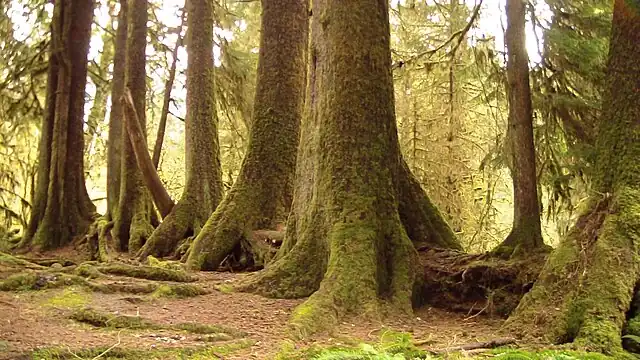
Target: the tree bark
(114, 145)
(203, 189)
(261, 196)
(132, 224)
(138, 141)
(526, 234)
(63, 209)
(587, 284)
(166, 101)
(346, 244)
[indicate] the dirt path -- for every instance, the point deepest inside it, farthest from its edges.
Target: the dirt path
(31, 320)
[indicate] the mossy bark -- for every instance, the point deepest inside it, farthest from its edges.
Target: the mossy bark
(526, 233)
(114, 142)
(63, 209)
(203, 189)
(132, 221)
(346, 244)
(261, 196)
(587, 284)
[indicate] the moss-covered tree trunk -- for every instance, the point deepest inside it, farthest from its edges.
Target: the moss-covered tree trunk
(114, 144)
(261, 196)
(355, 201)
(203, 189)
(63, 209)
(526, 234)
(588, 282)
(132, 221)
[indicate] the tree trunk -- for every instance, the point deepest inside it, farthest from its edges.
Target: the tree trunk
(166, 101)
(114, 146)
(261, 196)
(203, 189)
(63, 209)
(132, 224)
(526, 234)
(588, 282)
(346, 243)
(138, 141)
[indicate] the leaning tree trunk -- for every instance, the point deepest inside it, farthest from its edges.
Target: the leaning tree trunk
(132, 223)
(261, 196)
(526, 234)
(63, 209)
(114, 144)
(587, 284)
(347, 244)
(203, 189)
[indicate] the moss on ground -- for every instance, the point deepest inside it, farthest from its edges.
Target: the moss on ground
(106, 320)
(70, 298)
(105, 353)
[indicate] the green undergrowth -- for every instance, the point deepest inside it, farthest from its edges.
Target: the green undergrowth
(111, 321)
(400, 346)
(106, 353)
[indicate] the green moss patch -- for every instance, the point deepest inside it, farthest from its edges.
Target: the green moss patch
(69, 298)
(178, 291)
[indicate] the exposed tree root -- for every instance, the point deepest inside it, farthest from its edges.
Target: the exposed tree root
(182, 222)
(469, 283)
(146, 272)
(586, 286)
(105, 320)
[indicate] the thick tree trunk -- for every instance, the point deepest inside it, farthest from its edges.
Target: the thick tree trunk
(261, 196)
(203, 189)
(64, 210)
(166, 101)
(588, 282)
(526, 233)
(132, 224)
(346, 244)
(114, 145)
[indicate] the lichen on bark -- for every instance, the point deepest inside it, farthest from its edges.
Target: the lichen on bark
(586, 286)
(261, 196)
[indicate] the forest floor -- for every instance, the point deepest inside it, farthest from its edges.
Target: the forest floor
(66, 318)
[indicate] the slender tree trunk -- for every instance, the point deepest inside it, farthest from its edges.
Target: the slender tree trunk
(346, 243)
(166, 101)
(132, 226)
(64, 210)
(138, 141)
(526, 234)
(203, 189)
(587, 284)
(261, 196)
(114, 146)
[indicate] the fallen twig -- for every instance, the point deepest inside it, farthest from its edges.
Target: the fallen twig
(473, 346)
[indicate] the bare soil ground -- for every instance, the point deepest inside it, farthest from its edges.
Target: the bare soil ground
(31, 320)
